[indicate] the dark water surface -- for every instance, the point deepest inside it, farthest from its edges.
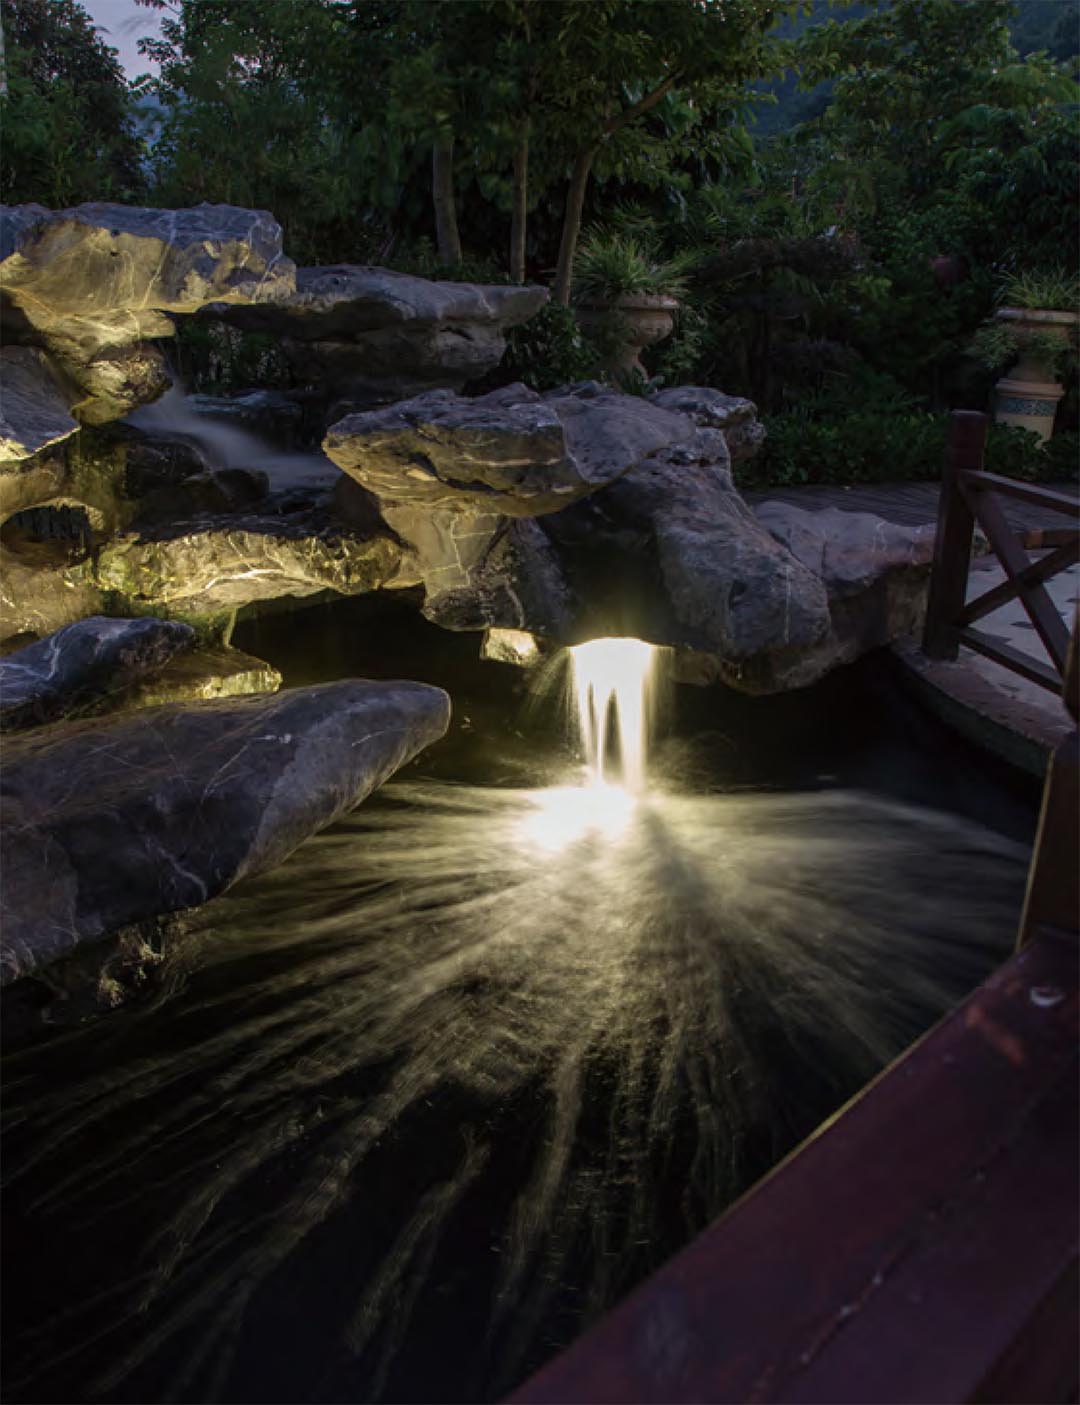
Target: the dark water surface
(408, 1112)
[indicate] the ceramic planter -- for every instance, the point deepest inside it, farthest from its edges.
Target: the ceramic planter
(1028, 396)
(632, 323)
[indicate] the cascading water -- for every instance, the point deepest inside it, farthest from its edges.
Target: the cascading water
(610, 693)
(223, 445)
(611, 681)
(416, 1106)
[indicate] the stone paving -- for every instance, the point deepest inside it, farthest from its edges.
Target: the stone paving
(1012, 626)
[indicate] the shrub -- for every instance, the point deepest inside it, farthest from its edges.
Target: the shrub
(547, 351)
(853, 448)
(871, 448)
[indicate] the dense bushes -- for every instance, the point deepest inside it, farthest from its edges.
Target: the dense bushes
(901, 447)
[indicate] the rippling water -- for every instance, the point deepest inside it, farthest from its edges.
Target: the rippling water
(414, 1108)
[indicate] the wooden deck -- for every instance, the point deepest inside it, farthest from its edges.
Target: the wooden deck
(908, 504)
(920, 1248)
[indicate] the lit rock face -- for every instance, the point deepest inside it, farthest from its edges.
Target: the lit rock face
(876, 574)
(82, 662)
(93, 284)
(39, 596)
(34, 412)
(453, 477)
(213, 564)
(371, 336)
(116, 821)
(211, 672)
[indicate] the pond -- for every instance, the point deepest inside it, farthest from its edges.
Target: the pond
(403, 1116)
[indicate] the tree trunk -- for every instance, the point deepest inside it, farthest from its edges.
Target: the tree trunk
(575, 202)
(447, 239)
(519, 215)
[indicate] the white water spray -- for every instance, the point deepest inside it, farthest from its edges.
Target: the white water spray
(612, 681)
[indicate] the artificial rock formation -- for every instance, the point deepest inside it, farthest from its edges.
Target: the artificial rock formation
(116, 821)
(671, 553)
(93, 284)
(214, 564)
(876, 575)
(451, 475)
(82, 662)
(370, 336)
(734, 416)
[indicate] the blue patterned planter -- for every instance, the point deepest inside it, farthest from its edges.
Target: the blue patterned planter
(1012, 405)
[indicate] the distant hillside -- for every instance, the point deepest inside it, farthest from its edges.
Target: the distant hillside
(1050, 25)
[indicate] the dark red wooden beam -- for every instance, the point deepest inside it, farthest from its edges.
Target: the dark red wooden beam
(921, 1247)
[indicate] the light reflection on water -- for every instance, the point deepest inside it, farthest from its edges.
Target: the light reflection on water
(447, 1083)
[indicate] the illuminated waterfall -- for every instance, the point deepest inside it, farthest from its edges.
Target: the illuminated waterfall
(611, 681)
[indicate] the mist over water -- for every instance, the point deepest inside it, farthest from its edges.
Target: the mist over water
(417, 1106)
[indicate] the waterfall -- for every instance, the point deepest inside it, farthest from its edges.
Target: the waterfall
(611, 682)
(175, 415)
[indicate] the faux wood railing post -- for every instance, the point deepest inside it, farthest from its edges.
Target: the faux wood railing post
(1052, 903)
(955, 532)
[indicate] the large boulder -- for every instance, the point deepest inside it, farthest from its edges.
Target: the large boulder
(876, 575)
(449, 475)
(113, 822)
(371, 336)
(733, 415)
(94, 284)
(82, 662)
(40, 594)
(671, 553)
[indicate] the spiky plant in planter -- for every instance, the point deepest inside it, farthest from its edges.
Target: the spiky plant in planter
(1036, 328)
(625, 298)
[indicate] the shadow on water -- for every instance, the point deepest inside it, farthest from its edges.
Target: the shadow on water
(418, 1105)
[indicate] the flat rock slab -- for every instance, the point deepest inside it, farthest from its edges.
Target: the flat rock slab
(221, 672)
(848, 550)
(372, 335)
(213, 564)
(347, 301)
(116, 821)
(81, 662)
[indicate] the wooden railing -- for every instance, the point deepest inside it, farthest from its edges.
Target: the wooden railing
(969, 495)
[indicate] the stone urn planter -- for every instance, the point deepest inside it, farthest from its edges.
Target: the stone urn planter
(1028, 396)
(625, 326)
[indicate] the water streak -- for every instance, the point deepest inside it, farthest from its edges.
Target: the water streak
(225, 445)
(439, 1083)
(612, 687)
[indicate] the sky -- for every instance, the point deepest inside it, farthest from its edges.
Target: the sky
(121, 24)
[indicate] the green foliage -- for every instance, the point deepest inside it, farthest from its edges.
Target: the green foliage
(1052, 290)
(215, 359)
(849, 448)
(611, 266)
(995, 344)
(421, 259)
(547, 351)
(1018, 453)
(67, 115)
(871, 448)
